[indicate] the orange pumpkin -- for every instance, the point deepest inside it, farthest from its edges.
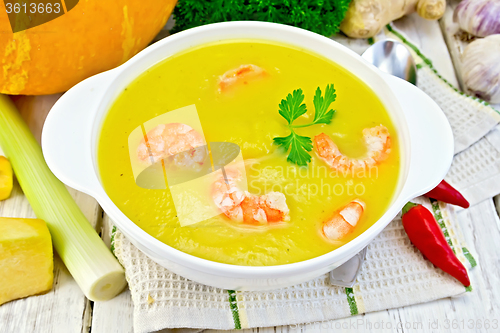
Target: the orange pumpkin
(94, 36)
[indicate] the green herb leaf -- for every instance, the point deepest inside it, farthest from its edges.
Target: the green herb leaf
(321, 104)
(292, 107)
(300, 146)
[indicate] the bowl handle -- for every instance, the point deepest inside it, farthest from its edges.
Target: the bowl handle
(67, 133)
(430, 136)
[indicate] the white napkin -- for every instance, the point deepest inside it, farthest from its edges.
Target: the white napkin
(394, 274)
(476, 171)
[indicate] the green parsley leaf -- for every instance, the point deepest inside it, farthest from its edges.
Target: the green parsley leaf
(321, 104)
(292, 107)
(300, 146)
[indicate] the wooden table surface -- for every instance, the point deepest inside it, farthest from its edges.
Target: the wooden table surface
(65, 308)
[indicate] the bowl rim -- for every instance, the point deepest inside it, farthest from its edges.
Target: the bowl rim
(332, 258)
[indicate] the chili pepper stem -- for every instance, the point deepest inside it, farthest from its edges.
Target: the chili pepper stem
(408, 206)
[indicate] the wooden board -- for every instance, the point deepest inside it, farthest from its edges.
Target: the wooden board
(65, 309)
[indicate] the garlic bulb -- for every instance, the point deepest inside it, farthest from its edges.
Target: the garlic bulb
(478, 17)
(481, 68)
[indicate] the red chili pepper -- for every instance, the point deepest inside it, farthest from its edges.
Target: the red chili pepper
(446, 193)
(424, 232)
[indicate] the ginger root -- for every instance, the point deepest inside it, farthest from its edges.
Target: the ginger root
(365, 18)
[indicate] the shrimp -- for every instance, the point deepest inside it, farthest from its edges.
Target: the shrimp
(344, 220)
(242, 206)
(173, 139)
(378, 142)
(242, 74)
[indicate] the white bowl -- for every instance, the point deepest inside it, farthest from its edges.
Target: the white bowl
(70, 135)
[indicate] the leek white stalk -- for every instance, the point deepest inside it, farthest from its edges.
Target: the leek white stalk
(478, 17)
(481, 68)
(87, 258)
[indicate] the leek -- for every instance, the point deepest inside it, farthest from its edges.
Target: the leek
(87, 258)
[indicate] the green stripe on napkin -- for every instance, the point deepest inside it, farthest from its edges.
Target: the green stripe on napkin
(439, 218)
(353, 307)
(112, 240)
(234, 309)
(469, 257)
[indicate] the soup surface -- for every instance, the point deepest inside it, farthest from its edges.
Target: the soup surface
(247, 115)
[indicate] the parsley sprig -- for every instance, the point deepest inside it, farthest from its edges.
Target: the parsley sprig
(291, 108)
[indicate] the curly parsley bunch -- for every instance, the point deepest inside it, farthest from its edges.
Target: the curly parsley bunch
(320, 16)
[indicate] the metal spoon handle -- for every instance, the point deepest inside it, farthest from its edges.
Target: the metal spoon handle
(346, 274)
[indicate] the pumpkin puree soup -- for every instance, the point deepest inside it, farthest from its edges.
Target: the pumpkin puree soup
(245, 112)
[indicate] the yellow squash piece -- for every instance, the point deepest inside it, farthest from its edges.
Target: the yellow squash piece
(26, 260)
(6, 178)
